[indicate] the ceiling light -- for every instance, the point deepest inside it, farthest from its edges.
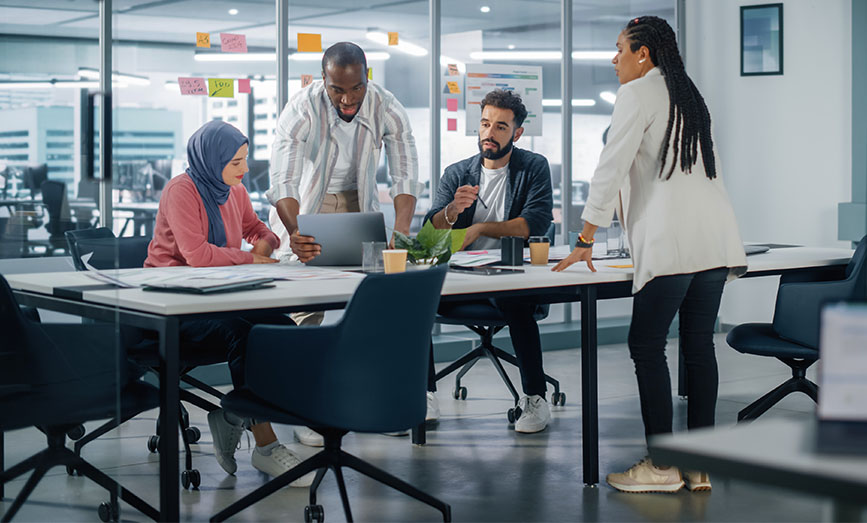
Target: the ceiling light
(593, 55)
(131, 79)
(62, 84)
(403, 46)
(576, 102)
(608, 96)
(271, 57)
(485, 9)
(511, 46)
(540, 55)
(233, 12)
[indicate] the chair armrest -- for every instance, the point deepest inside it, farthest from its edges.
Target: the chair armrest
(799, 305)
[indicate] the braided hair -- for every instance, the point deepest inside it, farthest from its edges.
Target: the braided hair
(688, 116)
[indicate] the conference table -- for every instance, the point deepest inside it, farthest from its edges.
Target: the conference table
(77, 294)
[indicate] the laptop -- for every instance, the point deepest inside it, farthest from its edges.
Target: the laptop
(341, 235)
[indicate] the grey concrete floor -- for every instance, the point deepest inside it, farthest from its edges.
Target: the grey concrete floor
(473, 460)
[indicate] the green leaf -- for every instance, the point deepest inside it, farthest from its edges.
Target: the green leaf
(457, 236)
(427, 236)
(402, 241)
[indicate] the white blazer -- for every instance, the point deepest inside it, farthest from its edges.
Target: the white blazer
(677, 226)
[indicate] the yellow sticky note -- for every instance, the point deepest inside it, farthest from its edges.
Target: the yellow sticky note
(621, 266)
(453, 88)
(370, 73)
(221, 87)
(203, 39)
(392, 38)
(309, 43)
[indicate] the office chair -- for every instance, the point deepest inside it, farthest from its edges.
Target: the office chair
(110, 252)
(486, 320)
(59, 218)
(793, 337)
(356, 379)
(56, 377)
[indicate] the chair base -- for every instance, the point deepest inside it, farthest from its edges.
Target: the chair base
(58, 455)
(797, 383)
(334, 458)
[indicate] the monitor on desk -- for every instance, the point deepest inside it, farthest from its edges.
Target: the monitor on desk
(34, 176)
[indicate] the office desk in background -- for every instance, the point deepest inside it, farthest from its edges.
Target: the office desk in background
(163, 313)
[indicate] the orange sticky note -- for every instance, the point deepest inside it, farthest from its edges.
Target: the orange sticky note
(203, 39)
(392, 38)
(621, 266)
(370, 73)
(453, 88)
(306, 79)
(453, 70)
(309, 43)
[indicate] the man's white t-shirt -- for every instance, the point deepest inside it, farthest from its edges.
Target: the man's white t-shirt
(345, 174)
(492, 189)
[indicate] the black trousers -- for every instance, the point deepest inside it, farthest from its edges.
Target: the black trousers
(696, 297)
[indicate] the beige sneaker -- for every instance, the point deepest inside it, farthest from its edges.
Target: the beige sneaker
(696, 481)
(644, 477)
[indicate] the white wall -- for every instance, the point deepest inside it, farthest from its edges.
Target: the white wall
(784, 141)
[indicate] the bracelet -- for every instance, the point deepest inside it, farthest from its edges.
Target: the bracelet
(583, 243)
(446, 216)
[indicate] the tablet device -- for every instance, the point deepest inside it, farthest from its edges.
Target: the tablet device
(341, 235)
(484, 271)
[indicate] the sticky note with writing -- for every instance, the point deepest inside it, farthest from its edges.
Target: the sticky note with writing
(370, 73)
(243, 85)
(306, 79)
(452, 124)
(193, 86)
(453, 70)
(309, 43)
(203, 39)
(451, 104)
(221, 87)
(392, 38)
(233, 43)
(453, 88)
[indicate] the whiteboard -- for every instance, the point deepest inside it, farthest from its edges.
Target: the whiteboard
(525, 80)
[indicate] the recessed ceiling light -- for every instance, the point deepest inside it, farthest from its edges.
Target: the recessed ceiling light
(233, 12)
(511, 46)
(485, 9)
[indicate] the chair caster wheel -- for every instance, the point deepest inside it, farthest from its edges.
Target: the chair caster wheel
(460, 393)
(191, 478)
(558, 399)
(154, 444)
(314, 513)
(193, 434)
(75, 433)
(70, 470)
(108, 512)
(514, 414)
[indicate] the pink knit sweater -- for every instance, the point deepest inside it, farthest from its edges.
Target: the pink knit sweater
(181, 232)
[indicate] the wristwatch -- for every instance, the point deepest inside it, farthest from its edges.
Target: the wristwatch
(584, 244)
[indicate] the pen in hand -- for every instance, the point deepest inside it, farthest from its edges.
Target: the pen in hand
(479, 196)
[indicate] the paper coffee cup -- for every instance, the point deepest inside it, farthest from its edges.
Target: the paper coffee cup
(394, 260)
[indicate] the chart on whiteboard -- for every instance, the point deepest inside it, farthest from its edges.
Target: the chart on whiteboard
(525, 80)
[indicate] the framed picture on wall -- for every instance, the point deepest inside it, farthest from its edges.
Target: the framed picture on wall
(761, 39)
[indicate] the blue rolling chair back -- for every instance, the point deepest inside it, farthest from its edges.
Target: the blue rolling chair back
(793, 337)
(108, 251)
(486, 320)
(56, 377)
(367, 373)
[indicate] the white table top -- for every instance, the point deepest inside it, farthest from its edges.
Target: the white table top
(301, 293)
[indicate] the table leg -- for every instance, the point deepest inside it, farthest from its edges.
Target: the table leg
(589, 392)
(169, 412)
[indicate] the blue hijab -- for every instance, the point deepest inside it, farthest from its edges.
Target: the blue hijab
(209, 150)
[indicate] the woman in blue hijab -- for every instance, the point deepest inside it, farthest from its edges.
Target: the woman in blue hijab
(204, 213)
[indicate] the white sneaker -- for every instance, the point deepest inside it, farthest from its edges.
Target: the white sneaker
(309, 437)
(433, 408)
(226, 436)
(281, 460)
(645, 477)
(696, 481)
(535, 414)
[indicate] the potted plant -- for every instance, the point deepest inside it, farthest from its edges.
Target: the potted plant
(431, 246)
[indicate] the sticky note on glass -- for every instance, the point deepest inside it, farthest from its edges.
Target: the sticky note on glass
(203, 39)
(453, 70)
(193, 86)
(451, 104)
(306, 79)
(453, 87)
(232, 43)
(221, 87)
(392, 38)
(309, 43)
(621, 266)
(452, 124)
(370, 73)
(243, 85)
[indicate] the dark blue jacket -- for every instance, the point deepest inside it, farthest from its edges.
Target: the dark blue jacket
(528, 190)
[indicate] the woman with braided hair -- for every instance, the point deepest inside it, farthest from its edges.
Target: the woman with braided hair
(660, 171)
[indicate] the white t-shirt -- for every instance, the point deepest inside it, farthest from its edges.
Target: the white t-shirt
(345, 174)
(492, 189)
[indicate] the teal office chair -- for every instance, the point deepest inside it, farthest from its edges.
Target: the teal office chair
(793, 337)
(356, 379)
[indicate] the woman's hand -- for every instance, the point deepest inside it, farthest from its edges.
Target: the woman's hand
(262, 248)
(578, 254)
(258, 258)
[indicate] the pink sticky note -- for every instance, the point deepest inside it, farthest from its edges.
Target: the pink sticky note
(243, 85)
(233, 43)
(193, 86)
(452, 104)
(452, 124)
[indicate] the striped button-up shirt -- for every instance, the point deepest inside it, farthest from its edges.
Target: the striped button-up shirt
(305, 151)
